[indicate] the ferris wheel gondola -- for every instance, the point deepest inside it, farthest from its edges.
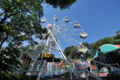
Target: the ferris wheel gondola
(83, 35)
(76, 25)
(50, 26)
(55, 18)
(82, 49)
(66, 19)
(43, 20)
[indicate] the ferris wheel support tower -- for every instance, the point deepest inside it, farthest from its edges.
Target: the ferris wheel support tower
(57, 44)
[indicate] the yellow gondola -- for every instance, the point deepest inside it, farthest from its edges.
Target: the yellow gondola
(76, 25)
(66, 66)
(45, 55)
(83, 35)
(66, 19)
(82, 48)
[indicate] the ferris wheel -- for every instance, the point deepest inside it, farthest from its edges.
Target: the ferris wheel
(65, 32)
(42, 62)
(60, 35)
(68, 32)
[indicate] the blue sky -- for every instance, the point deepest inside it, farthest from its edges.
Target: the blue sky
(99, 18)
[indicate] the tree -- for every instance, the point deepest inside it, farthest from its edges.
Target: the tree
(86, 44)
(116, 38)
(71, 52)
(62, 4)
(108, 40)
(8, 59)
(20, 21)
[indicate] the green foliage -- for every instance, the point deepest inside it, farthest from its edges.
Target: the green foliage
(8, 59)
(10, 76)
(117, 36)
(118, 33)
(27, 47)
(20, 20)
(108, 40)
(62, 4)
(100, 42)
(86, 44)
(71, 52)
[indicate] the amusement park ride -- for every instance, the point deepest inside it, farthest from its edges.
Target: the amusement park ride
(47, 66)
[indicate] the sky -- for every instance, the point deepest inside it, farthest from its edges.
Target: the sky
(99, 18)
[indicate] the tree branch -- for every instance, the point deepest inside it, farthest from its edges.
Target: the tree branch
(3, 41)
(6, 15)
(2, 13)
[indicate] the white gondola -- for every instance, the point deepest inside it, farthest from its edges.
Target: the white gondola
(43, 20)
(66, 19)
(83, 35)
(76, 25)
(55, 18)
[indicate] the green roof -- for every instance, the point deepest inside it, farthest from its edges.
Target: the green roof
(107, 48)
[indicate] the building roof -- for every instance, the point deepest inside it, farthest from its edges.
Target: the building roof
(106, 48)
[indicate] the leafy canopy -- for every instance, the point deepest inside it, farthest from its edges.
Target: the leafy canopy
(108, 40)
(8, 59)
(20, 21)
(62, 4)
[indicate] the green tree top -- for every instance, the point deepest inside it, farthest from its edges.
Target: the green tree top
(62, 4)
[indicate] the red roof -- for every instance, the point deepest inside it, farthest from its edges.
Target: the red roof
(118, 46)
